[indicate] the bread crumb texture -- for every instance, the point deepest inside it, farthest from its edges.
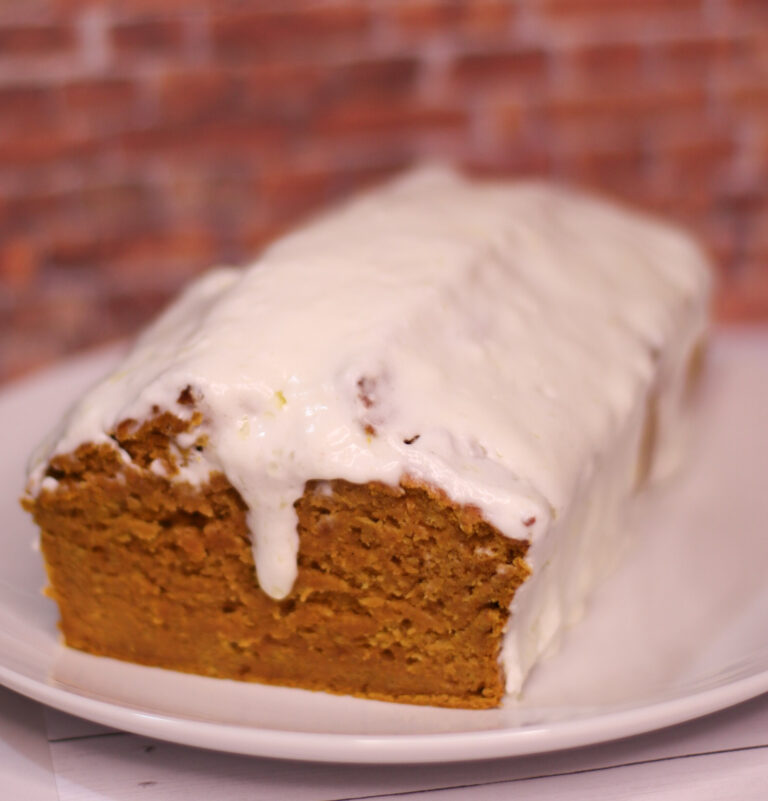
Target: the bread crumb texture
(401, 594)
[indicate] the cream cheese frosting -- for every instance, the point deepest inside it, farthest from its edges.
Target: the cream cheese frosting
(497, 340)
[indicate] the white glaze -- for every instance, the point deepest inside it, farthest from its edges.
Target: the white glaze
(516, 328)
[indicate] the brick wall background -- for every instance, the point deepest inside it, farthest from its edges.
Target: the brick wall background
(143, 140)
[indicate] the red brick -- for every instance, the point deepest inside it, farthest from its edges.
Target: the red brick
(193, 96)
(104, 94)
(93, 206)
(207, 193)
(744, 60)
(293, 106)
(517, 159)
(280, 83)
(25, 348)
(628, 108)
(509, 117)
(132, 257)
(744, 297)
(747, 10)
(148, 36)
(749, 93)
(588, 10)
(74, 246)
(374, 77)
(685, 202)
(696, 151)
(601, 64)
(255, 236)
(618, 171)
(233, 141)
(39, 146)
(44, 39)
(453, 17)
(371, 118)
(756, 234)
(355, 177)
(18, 263)
(174, 253)
(696, 55)
(512, 144)
(22, 107)
(721, 239)
(582, 131)
(288, 195)
(21, 209)
(61, 306)
(101, 104)
(125, 313)
(625, 20)
(507, 67)
(746, 203)
(305, 85)
(288, 33)
(706, 60)
(115, 205)
(66, 318)
(125, 8)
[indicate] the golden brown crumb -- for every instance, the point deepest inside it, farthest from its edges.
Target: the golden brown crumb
(401, 595)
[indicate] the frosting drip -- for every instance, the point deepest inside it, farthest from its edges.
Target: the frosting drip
(492, 339)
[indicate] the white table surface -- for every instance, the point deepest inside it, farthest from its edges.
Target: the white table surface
(48, 756)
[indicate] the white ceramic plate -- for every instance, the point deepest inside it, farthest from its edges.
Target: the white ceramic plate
(679, 629)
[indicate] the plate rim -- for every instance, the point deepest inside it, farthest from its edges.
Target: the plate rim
(351, 748)
(403, 749)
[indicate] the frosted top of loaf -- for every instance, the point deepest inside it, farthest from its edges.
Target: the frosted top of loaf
(488, 338)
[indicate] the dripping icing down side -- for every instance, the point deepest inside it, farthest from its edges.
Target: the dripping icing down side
(490, 339)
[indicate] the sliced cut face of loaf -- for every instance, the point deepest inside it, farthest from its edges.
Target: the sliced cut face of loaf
(392, 456)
